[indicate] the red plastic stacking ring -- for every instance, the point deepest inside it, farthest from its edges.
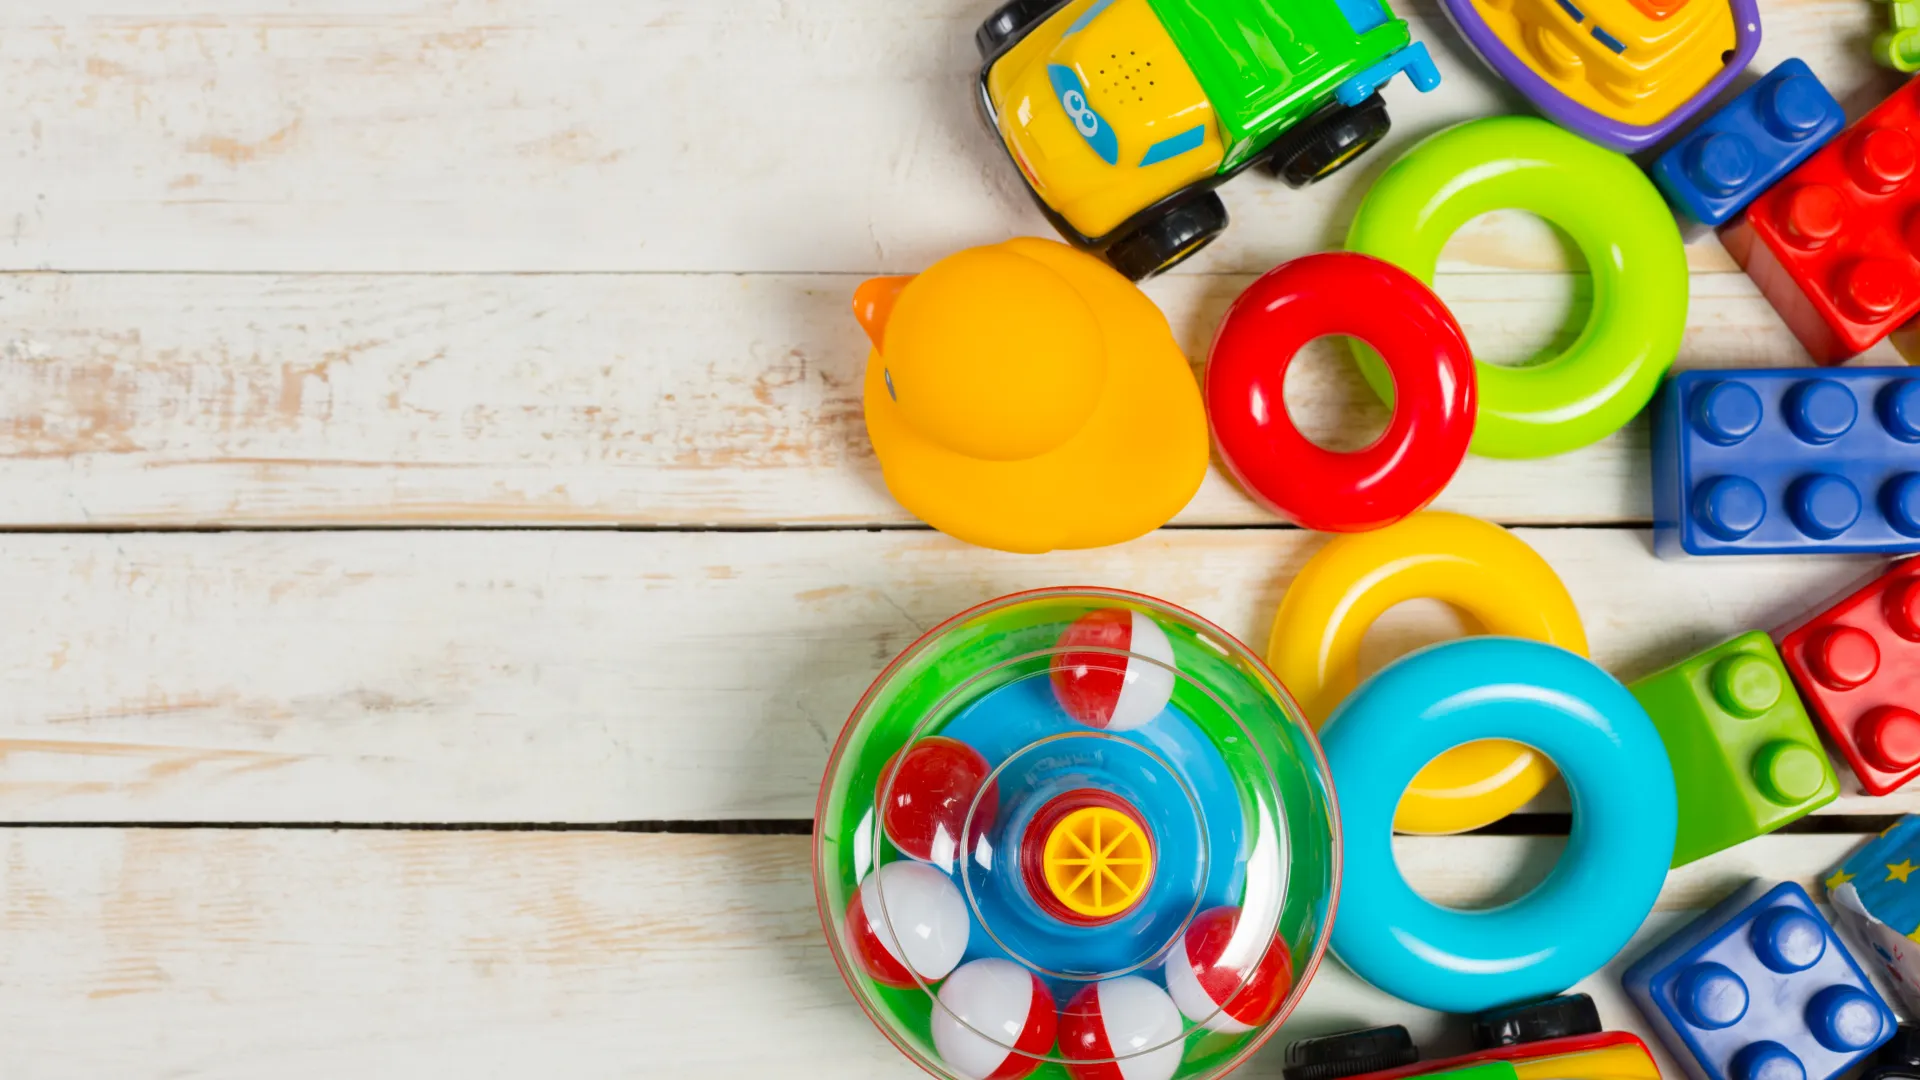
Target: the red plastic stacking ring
(1314, 296)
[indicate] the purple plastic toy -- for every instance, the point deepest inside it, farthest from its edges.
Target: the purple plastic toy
(1629, 62)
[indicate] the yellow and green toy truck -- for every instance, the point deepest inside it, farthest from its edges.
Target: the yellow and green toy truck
(1124, 115)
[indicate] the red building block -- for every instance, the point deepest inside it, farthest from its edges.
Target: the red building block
(1832, 245)
(1858, 667)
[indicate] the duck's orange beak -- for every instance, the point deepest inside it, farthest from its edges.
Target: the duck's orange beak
(873, 304)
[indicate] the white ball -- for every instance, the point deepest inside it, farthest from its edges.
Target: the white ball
(1130, 1020)
(924, 924)
(1228, 973)
(1102, 690)
(987, 1014)
(1149, 686)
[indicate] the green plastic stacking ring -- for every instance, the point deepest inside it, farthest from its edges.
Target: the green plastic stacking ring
(1622, 228)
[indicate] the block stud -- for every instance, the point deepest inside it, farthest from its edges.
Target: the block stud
(1722, 163)
(1902, 606)
(1812, 216)
(1899, 409)
(1871, 288)
(1823, 505)
(1792, 108)
(1787, 940)
(1889, 736)
(1787, 772)
(1844, 657)
(1729, 507)
(1767, 1060)
(1881, 159)
(1900, 502)
(1726, 412)
(1844, 1019)
(1745, 685)
(1820, 410)
(1711, 996)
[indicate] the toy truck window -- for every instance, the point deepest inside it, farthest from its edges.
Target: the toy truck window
(1086, 17)
(1175, 145)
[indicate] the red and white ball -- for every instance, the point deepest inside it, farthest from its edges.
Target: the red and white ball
(995, 1021)
(1121, 1029)
(1102, 690)
(923, 929)
(1229, 978)
(931, 790)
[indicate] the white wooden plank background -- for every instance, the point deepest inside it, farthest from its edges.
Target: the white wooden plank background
(718, 387)
(286, 264)
(240, 954)
(586, 135)
(585, 676)
(166, 400)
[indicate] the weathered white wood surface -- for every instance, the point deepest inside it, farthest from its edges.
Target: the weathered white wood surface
(643, 399)
(241, 954)
(590, 676)
(668, 137)
(551, 262)
(665, 135)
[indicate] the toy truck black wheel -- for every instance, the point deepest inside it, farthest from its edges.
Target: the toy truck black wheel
(1350, 1053)
(1009, 23)
(1328, 141)
(1177, 230)
(1554, 1018)
(1899, 1059)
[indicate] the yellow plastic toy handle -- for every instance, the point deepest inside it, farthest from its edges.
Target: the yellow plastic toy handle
(1098, 862)
(1478, 567)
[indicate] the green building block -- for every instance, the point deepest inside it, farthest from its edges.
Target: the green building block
(1746, 759)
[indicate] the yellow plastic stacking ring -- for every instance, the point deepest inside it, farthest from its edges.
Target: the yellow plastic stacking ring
(1478, 567)
(1098, 862)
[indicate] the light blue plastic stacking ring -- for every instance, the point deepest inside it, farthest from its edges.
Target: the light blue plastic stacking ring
(1615, 767)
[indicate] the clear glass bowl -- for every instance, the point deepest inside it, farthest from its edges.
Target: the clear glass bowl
(1072, 827)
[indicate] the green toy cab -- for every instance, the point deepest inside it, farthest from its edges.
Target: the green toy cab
(1123, 115)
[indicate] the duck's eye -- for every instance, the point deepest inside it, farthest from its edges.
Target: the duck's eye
(887, 375)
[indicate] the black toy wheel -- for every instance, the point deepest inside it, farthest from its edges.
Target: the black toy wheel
(1554, 1018)
(1178, 230)
(1327, 142)
(1009, 23)
(1350, 1053)
(1899, 1059)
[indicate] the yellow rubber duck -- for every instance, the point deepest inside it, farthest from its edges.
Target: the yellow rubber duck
(1024, 396)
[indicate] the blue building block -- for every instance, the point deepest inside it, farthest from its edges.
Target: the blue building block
(1760, 988)
(1787, 460)
(1748, 145)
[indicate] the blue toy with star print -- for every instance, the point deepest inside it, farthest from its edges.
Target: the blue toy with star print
(1760, 988)
(1876, 892)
